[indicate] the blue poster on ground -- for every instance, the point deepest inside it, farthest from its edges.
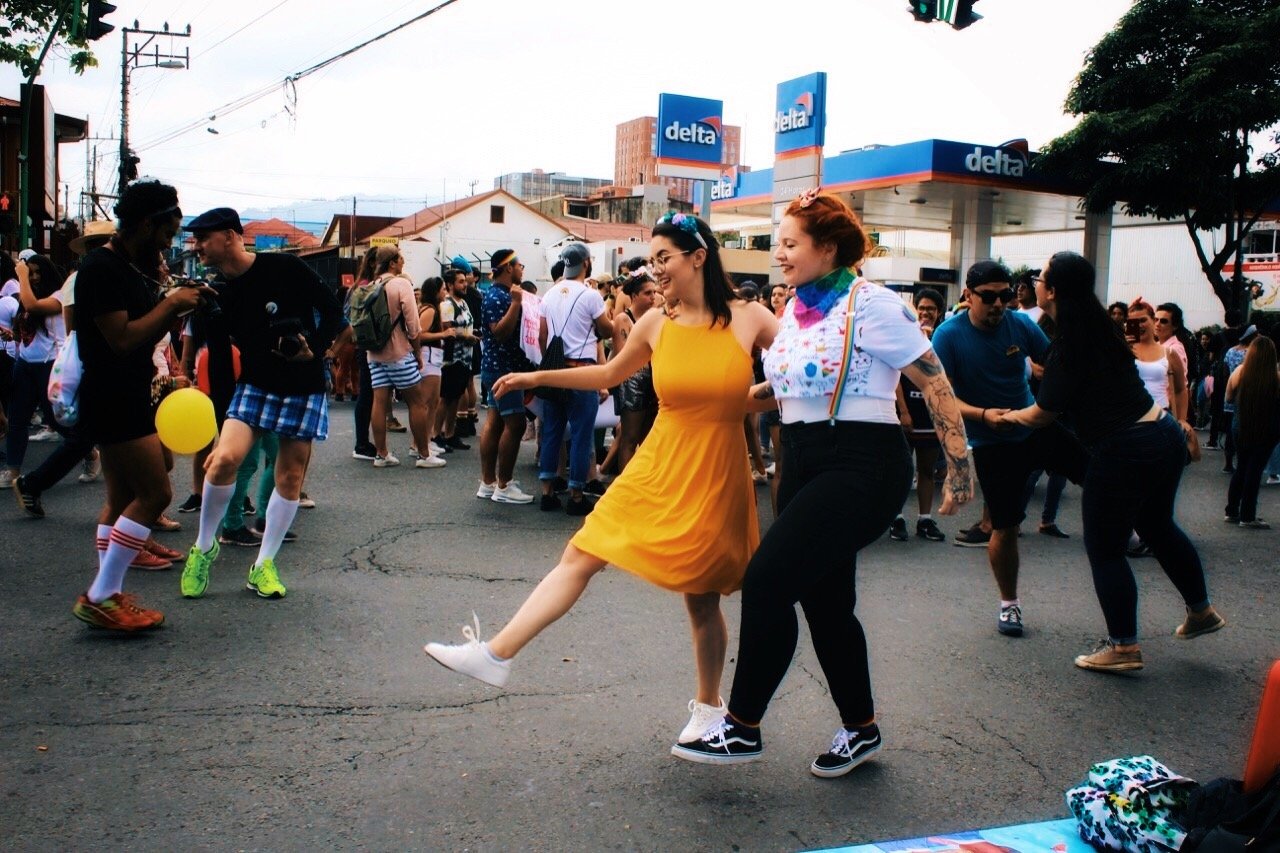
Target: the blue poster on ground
(1055, 836)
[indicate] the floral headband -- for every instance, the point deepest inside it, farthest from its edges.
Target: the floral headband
(685, 222)
(806, 198)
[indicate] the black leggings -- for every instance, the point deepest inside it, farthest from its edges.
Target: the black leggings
(841, 486)
(364, 401)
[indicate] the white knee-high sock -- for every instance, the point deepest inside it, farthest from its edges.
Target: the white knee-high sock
(280, 513)
(103, 539)
(127, 539)
(213, 506)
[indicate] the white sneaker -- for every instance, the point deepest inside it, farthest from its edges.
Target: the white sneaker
(437, 448)
(413, 452)
(486, 490)
(6, 478)
(91, 469)
(1273, 480)
(305, 502)
(471, 658)
(429, 462)
(388, 461)
(44, 434)
(703, 720)
(511, 494)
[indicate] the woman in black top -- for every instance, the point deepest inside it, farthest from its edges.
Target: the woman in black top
(121, 316)
(1137, 456)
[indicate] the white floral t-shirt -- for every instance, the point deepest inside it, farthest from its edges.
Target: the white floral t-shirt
(805, 363)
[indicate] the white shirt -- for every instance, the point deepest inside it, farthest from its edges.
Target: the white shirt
(1035, 312)
(49, 334)
(571, 309)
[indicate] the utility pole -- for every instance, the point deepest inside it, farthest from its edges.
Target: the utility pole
(132, 57)
(24, 146)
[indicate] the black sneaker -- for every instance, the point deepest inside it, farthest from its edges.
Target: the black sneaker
(927, 528)
(239, 536)
(549, 503)
(456, 443)
(898, 530)
(559, 485)
(248, 507)
(27, 499)
(1053, 531)
(974, 537)
(1141, 550)
(191, 504)
(581, 506)
(727, 743)
(260, 527)
(365, 452)
(848, 750)
(1009, 622)
(594, 487)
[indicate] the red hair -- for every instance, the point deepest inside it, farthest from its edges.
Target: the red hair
(1141, 304)
(830, 222)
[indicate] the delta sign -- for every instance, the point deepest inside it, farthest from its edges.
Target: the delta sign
(800, 122)
(690, 137)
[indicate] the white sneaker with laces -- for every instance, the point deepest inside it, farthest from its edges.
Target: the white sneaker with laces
(471, 658)
(703, 720)
(486, 490)
(44, 434)
(388, 461)
(429, 462)
(91, 470)
(511, 493)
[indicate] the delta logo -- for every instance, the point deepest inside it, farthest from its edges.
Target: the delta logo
(704, 131)
(797, 117)
(1007, 162)
(727, 186)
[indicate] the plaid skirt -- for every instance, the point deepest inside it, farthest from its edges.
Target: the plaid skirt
(304, 417)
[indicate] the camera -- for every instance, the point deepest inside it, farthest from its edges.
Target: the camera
(1133, 327)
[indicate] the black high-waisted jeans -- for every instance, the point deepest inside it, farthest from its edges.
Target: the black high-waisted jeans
(841, 487)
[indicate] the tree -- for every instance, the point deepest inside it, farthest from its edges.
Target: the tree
(1176, 101)
(26, 25)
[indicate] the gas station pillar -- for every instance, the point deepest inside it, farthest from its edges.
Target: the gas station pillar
(1097, 248)
(971, 232)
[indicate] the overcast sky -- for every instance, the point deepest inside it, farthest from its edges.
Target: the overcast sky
(486, 87)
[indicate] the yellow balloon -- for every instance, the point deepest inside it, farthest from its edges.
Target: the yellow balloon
(185, 421)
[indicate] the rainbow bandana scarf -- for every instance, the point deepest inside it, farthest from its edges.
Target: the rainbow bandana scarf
(814, 300)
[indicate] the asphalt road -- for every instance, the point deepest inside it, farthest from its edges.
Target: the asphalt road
(317, 723)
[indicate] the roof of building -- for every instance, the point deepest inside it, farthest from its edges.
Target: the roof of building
(279, 228)
(428, 217)
(340, 227)
(592, 230)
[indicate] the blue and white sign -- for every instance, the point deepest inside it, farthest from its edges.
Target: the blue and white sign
(801, 118)
(690, 137)
(1008, 161)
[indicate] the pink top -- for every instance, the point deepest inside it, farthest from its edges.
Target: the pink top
(400, 303)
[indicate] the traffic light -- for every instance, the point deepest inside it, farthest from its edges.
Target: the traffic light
(965, 14)
(96, 27)
(925, 11)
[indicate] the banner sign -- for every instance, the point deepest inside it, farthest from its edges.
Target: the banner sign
(530, 321)
(800, 121)
(690, 137)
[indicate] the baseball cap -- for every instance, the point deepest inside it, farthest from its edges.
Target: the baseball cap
(218, 219)
(987, 272)
(575, 257)
(27, 254)
(1248, 334)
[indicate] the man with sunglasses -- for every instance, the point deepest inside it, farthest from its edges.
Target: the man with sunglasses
(984, 351)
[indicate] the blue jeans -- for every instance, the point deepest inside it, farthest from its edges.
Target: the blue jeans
(1131, 484)
(578, 415)
(30, 392)
(1273, 464)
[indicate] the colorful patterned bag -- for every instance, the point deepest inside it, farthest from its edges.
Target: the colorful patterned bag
(64, 382)
(1131, 804)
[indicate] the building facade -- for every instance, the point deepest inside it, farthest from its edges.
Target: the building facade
(531, 186)
(635, 159)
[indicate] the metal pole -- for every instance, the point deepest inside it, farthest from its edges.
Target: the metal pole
(124, 112)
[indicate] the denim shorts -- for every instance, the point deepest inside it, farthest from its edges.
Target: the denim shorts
(510, 403)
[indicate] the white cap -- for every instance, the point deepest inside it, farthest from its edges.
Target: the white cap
(27, 254)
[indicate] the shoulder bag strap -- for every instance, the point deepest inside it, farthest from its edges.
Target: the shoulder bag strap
(846, 360)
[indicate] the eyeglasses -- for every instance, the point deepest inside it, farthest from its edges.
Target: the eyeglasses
(989, 297)
(661, 259)
(1038, 280)
(1163, 321)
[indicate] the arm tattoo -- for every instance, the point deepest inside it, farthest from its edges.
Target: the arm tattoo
(928, 364)
(945, 412)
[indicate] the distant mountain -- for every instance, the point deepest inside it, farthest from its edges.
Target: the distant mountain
(304, 214)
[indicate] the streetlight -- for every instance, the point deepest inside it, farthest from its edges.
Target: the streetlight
(132, 57)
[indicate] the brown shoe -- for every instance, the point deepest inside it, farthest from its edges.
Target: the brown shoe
(1193, 626)
(160, 551)
(166, 524)
(1105, 657)
(148, 562)
(120, 612)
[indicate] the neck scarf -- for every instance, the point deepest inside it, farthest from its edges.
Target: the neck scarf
(815, 299)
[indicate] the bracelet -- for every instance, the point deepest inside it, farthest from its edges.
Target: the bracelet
(983, 420)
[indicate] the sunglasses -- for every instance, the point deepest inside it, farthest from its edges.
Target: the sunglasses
(989, 297)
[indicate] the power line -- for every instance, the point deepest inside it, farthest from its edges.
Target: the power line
(289, 83)
(224, 39)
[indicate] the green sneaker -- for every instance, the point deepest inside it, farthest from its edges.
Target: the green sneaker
(195, 574)
(265, 580)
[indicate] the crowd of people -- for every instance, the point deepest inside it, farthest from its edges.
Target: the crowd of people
(856, 395)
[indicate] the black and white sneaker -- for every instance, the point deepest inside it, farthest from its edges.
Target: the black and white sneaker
(726, 742)
(848, 750)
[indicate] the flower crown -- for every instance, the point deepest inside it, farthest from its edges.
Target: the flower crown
(685, 222)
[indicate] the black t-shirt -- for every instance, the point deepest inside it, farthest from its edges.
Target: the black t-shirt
(106, 284)
(1101, 399)
(279, 295)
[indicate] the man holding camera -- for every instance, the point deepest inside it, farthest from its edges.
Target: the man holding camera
(282, 317)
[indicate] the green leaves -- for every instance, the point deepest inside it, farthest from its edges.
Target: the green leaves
(25, 27)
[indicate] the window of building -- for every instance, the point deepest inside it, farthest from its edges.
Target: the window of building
(497, 213)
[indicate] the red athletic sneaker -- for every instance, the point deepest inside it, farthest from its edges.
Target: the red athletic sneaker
(120, 612)
(148, 562)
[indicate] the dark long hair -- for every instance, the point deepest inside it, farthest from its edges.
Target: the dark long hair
(431, 288)
(1258, 394)
(50, 278)
(1085, 329)
(717, 288)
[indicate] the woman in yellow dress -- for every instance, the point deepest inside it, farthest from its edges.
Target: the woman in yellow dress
(683, 514)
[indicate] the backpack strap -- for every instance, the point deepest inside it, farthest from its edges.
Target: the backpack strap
(846, 360)
(567, 315)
